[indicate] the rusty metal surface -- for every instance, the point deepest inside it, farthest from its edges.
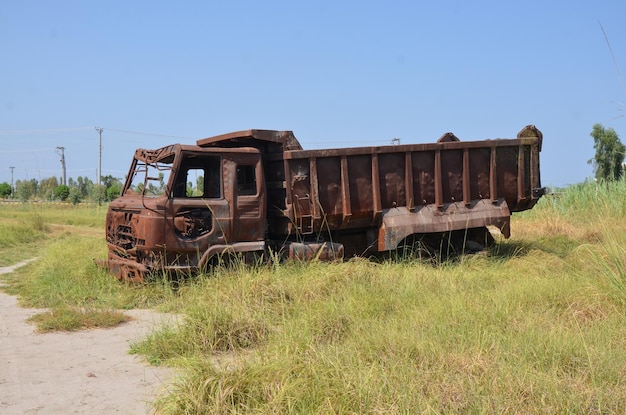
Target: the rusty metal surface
(253, 138)
(177, 232)
(260, 187)
(344, 188)
(400, 223)
(307, 251)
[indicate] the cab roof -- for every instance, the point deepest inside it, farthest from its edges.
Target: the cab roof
(265, 140)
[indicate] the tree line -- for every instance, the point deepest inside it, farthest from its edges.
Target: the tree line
(81, 189)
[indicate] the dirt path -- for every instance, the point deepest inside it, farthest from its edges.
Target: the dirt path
(85, 372)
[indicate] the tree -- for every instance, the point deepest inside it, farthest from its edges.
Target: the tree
(75, 195)
(610, 153)
(5, 190)
(114, 192)
(83, 184)
(62, 192)
(26, 189)
(112, 186)
(47, 188)
(108, 181)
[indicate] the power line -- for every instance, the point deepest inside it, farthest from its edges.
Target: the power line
(44, 131)
(149, 134)
(119, 130)
(32, 150)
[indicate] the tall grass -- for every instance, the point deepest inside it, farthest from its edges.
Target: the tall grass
(584, 203)
(64, 278)
(537, 326)
(359, 337)
(21, 239)
(55, 213)
(65, 274)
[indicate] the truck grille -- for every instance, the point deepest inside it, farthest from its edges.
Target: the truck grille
(120, 231)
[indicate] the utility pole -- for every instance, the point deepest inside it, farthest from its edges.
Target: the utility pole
(62, 154)
(99, 130)
(12, 168)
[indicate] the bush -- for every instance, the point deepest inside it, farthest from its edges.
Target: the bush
(114, 192)
(75, 196)
(5, 190)
(62, 192)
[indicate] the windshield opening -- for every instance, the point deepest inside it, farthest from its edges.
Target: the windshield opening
(150, 178)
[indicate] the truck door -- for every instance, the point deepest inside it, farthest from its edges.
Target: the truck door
(198, 213)
(249, 221)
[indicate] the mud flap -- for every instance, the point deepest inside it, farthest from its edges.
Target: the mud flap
(399, 223)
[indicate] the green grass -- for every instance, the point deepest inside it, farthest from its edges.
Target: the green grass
(65, 240)
(474, 337)
(65, 274)
(536, 327)
(72, 319)
(25, 227)
(20, 240)
(56, 213)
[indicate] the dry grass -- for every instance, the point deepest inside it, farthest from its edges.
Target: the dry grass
(538, 326)
(72, 319)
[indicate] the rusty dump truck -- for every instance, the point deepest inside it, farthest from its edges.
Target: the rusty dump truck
(258, 191)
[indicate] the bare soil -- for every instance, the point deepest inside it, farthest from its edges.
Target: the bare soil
(83, 372)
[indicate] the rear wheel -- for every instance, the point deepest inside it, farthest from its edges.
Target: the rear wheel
(441, 246)
(471, 241)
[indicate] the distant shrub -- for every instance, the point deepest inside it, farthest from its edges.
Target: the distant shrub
(75, 196)
(5, 190)
(114, 192)
(61, 192)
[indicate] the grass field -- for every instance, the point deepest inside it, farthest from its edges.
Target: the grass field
(537, 326)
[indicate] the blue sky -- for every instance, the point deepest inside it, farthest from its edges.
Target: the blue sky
(337, 73)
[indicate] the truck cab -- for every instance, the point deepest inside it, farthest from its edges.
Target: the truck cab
(183, 205)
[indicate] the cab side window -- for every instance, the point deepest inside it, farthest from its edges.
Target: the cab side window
(199, 177)
(246, 180)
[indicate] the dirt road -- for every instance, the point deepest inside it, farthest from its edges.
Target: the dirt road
(84, 372)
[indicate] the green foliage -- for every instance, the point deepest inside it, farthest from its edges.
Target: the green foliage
(62, 192)
(610, 152)
(75, 195)
(5, 190)
(75, 191)
(25, 189)
(114, 191)
(47, 187)
(110, 181)
(97, 193)
(82, 184)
